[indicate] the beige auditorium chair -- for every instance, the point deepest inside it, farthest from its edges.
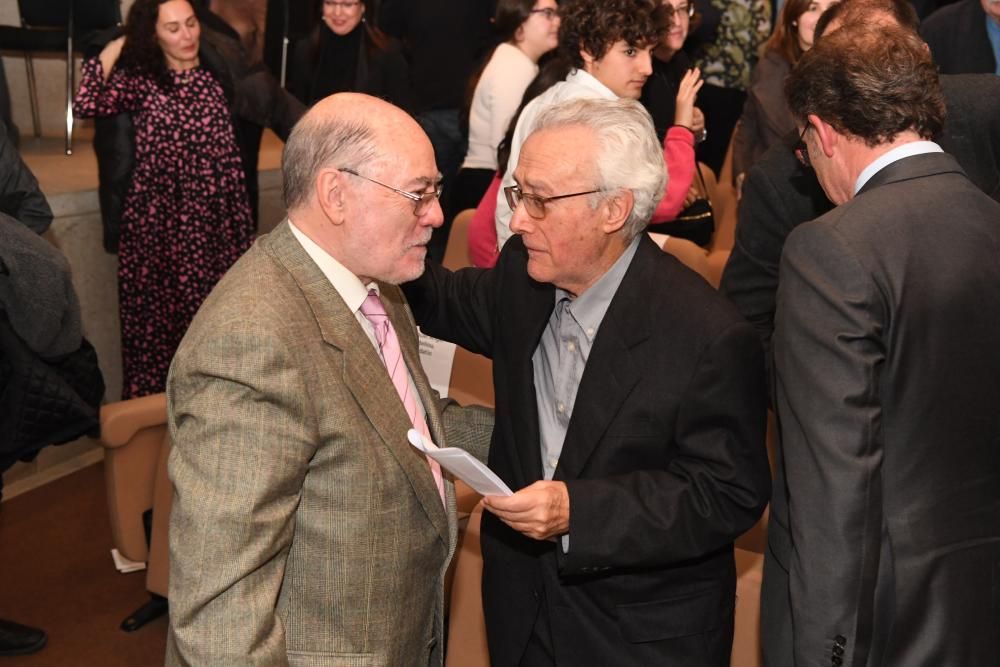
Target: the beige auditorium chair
(136, 445)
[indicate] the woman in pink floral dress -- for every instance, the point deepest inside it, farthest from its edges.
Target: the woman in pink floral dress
(186, 217)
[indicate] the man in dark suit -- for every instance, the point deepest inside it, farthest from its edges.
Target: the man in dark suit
(888, 313)
(630, 411)
(779, 193)
(959, 37)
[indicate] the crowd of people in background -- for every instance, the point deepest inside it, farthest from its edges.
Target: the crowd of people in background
(876, 324)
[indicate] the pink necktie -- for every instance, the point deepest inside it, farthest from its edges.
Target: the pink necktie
(392, 356)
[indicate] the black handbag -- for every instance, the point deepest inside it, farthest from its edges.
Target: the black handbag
(696, 222)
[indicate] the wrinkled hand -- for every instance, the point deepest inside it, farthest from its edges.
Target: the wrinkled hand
(687, 91)
(540, 511)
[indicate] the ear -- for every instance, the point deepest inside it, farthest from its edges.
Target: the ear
(828, 137)
(588, 61)
(619, 207)
(330, 194)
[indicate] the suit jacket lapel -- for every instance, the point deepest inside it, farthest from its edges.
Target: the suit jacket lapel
(528, 314)
(363, 372)
(613, 367)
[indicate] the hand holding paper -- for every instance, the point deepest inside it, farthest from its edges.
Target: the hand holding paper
(462, 465)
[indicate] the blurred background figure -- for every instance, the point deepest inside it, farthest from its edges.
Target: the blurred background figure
(527, 29)
(670, 64)
(766, 118)
(186, 216)
(345, 52)
(443, 40)
(50, 384)
(725, 47)
(965, 37)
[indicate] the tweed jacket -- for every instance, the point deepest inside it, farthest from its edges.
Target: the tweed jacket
(305, 529)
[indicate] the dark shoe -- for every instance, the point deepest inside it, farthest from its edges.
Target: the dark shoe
(17, 639)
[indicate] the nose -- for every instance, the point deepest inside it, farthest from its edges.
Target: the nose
(520, 222)
(644, 61)
(433, 216)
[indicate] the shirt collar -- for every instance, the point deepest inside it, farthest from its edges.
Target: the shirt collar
(587, 80)
(348, 286)
(589, 308)
(898, 153)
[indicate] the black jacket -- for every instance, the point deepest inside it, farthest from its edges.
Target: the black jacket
(255, 100)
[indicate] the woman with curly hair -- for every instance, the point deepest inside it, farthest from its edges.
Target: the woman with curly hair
(766, 118)
(608, 46)
(186, 217)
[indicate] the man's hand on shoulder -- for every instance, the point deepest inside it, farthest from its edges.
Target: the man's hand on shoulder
(540, 511)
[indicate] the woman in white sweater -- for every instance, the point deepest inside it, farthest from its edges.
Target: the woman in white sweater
(528, 29)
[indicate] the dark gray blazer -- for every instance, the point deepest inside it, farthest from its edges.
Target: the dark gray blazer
(884, 540)
(958, 39)
(779, 194)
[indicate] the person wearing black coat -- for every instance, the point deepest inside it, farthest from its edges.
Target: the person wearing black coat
(346, 53)
(255, 98)
(958, 37)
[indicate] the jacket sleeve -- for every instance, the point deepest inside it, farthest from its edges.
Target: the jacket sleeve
(678, 152)
(243, 441)
(20, 196)
(713, 489)
(829, 350)
(750, 278)
(455, 306)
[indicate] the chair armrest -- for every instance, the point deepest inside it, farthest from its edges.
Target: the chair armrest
(122, 420)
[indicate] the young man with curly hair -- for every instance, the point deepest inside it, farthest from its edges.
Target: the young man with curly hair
(608, 45)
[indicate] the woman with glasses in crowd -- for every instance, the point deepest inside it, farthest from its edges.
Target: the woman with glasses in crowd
(347, 53)
(766, 118)
(670, 64)
(186, 216)
(527, 29)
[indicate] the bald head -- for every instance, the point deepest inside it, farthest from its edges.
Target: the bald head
(868, 12)
(343, 130)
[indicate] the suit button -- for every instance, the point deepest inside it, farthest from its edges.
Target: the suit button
(838, 650)
(837, 660)
(840, 640)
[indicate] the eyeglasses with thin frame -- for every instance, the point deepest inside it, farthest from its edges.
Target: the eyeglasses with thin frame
(341, 5)
(421, 200)
(534, 204)
(680, 10)
(802, 149)
(548, 12)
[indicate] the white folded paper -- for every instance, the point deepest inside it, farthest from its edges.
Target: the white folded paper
(462, 465)
(124, 565)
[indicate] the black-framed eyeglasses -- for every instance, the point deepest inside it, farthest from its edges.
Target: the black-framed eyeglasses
(548, 12)
(802, 150)
(421, 200)
(680, 10)
(533, 204)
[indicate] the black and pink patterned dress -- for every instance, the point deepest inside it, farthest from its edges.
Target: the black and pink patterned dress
(186, 217)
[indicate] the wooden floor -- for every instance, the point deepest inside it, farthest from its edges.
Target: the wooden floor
(56, 573)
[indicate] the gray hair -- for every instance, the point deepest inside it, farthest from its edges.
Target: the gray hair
(320, 141)
(629, 155)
